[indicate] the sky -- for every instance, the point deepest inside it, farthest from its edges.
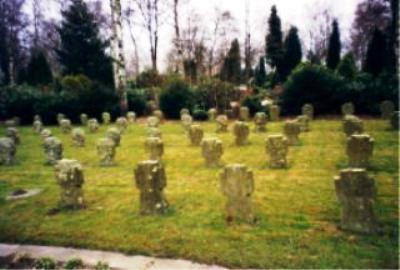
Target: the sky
(292, 12)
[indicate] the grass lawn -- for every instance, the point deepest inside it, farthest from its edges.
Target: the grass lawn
(297, 208)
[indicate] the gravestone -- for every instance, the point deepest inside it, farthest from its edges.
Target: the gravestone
(356, 193)
(394, 120)
(60, 116)
(106, 118)
(37, 117)
(153, 122)
(93, 125)
(291, 129)
(10, 123)
(222, 123)
(260, 121)
(244, 114)
(186, 121)
(78, 137)
(387, 109)
(304, 122)
(13, 134)
(352, 125)
(65, 125)
(308, 110)
(131, 117)
(122, 124)
(184, 111)
(69, 176)
(212, 114)
(151, 180)
(46, 133)
(347, 108)
(8, 150)
(115, 135)
(154, 146)
(153, 132)
(37, 126)
(195, 134)
(241, 131)
(359, 150)
(84, 119)
(237, 185)
(212, 151)
(274, 112)
(159, 114)
(106, 151)
(53, 150)
(277, 148)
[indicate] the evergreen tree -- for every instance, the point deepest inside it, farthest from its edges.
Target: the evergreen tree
(292, 52)
(38, 71)
(347, 67)
(231, 69)
(82, 51)
(375, 58)
(274, 46)
(313, 58)
(260, 75)
(334, 47)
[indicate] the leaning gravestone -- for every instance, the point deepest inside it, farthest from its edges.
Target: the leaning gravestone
(291, 129)
(308, 110)
(277, 147)
(186, 121)
(151, 180)
(260, 121)
(153, 132)
(304, 122)
(13, 134)
(195, 134)
(347, 108)
(122, 124)
(352, 125)
(115, 135)
(60, 116)
(131, 117)
(387, 109)
(93, 125)
(8, 150)
(356, 193)
(65, 125)
(237, 184)
(212, 114)
(212, 151)
(154, 146)
(274, 112)
(53, 150)
(37, 126)
(244, 114)
(153, 122)
(394, 120)
(69, 176)
(45, 133)
(84, 119)
(222, 123)
(106, 151)
(106, 118)
(359, 150)
(241, 131)
(78, 137)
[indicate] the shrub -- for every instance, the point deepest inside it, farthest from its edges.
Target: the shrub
(253, 103)
(149, 78)
(200, 115)
(102, 266)
(74, 264)
(174, 97)
(137, 100)
(45, 263)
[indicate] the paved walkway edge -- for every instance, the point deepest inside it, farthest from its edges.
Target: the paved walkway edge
(91, 257)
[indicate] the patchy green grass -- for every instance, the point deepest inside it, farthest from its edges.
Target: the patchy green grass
(297, 208)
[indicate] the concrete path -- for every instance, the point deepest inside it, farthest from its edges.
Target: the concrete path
(91, 257)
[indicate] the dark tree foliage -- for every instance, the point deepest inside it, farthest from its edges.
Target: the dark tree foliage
(334, 47)
(260, 75)
(274, 46)
(82, 51)
(347, 67)
(375, 58)
(292, 52)
(313, 58)
(38, 71)
(231, 69)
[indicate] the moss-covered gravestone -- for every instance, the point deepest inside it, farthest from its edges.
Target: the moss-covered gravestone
(122, 124)
(356, 193)
(277, 148)
(60, 116)
(115, 135)
(183, 112)
(308, 110)
(347, 108)
(394, 120)
(154, 146)
(69, 176)
(46, 133)
(241, 131)
(53, 149)
(152, 122)
(106, 118)
(387, 109)
(106, 150)
(195, 134)
(37, 126)
(186, 121)
(131, 117)
(291, 129)
(154, 132)
(260, 121)
(304, 122)
(237, 185)
(212, 114)
(359, 150)
(8, 150)
(93, 125)
(13, 134)
(83, 118)
(159, 114)
(352, 125)
(65, 126)
(151, 180)
(274, 112)
(212, 151)
(78, 137)
(222, 123)
(244, 114)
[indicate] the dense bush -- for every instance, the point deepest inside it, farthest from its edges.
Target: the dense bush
(200, 115)
(149, 78)
(174, 97)
(253, 103)
(137, 100)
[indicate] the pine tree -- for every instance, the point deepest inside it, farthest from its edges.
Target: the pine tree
(260, 75)
(274, 46)
(292, 52)
(231, 69)
(375, 58)
(334, 47)
(82, 51)
(38, 71)
(347, 67)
